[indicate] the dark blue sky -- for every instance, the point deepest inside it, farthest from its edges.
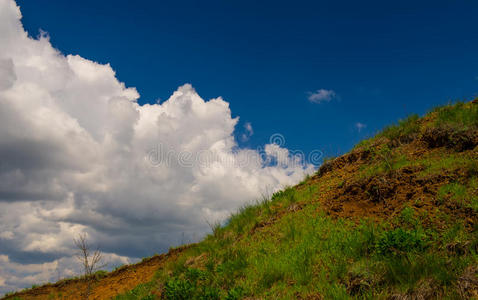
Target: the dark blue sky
(383, 60)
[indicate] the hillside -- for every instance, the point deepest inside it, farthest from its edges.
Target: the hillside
(395, 218)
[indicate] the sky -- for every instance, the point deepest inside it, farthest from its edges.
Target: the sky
(133, 122)
(383, 60)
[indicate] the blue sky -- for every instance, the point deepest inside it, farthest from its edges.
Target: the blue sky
(383, 60)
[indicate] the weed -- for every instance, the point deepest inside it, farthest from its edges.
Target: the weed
(400, 242)
(178, 289)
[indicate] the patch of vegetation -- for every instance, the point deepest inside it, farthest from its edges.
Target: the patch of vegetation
(403, 132)
(461, 194)
(385, 160)
(307, 253)
(399, 242)
(460, 115)
(142, 292)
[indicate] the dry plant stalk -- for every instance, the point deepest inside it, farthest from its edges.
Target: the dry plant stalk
(90, 261)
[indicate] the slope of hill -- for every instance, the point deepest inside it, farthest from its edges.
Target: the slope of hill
(397, 217)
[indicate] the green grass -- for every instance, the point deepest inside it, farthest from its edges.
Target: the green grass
(460, 115)
(465, 195)
(404, 131)
(306, 253)
(385, 161)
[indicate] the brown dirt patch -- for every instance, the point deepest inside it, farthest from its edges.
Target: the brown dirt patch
(450, 138)
(383, 196)
(115, 283)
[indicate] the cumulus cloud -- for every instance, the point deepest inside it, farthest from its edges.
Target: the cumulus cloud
(322, 95)
(79, 154)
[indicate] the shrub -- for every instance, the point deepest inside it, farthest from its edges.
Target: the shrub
(178, 289)
(400, 242)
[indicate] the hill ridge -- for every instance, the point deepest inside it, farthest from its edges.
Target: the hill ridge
(395, 218)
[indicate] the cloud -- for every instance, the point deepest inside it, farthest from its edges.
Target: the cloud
(248, 132)
(322, 95)
(360, 126)
(7, 75)
(13, 275)
(79, 154)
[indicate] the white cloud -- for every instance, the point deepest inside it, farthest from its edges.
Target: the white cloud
(322, 95)
(14, 275)
(360, 126)
(79, 154)
(248, 132)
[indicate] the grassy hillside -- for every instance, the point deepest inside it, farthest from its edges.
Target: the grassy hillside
(397, 218)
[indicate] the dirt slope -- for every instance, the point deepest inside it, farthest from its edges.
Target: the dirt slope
(117, 282)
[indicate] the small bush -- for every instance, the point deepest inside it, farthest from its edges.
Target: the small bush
(400, 242)
(178, 289)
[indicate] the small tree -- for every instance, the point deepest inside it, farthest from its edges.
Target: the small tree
(90, 261)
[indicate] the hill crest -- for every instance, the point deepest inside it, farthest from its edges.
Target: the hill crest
(396, 217)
